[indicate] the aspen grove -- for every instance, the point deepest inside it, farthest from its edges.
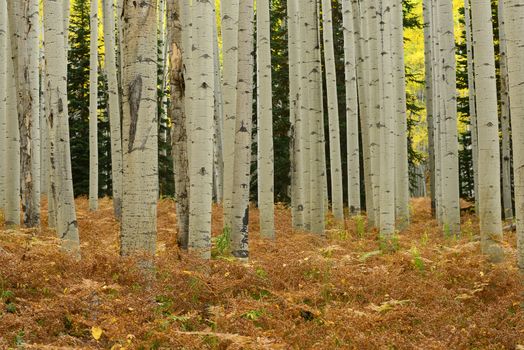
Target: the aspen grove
(262, 174)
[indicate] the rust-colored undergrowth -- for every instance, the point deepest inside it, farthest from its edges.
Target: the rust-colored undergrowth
(298, 292)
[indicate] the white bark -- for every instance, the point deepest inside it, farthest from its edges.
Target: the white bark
(265, 159)
(507, 205)
(201, 129)
(58, 127)
(113, 105)
(472, 99)
(514, 21)
(242, 168)
(229, 13)
(24, 24)
(218, 166)
(489, 152)
(400, 119)
(337, 200)
(3, 100)
(93, 108)
(139, 128)
(353, 149)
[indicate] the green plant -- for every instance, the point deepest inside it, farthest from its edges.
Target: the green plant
(416, 259)
(222, 244)
(389, 243)
(360, 224)
(261, 273)
(425, 238)
(253, 315)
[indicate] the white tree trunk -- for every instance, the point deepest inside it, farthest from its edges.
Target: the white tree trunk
(113, 105)
(472, 100)
(353, 149)
(400, 119)
(201, 129)
(139, 128)
(229, 13)
(93, 108)
(218, 165)
(178, 119)
(242, 168)
(448, 120)
(58, 127)
(265, 159)
(514, 21)
(3, 102)
(24, 24)
(489, 152)
(507, 205)
(337, 200)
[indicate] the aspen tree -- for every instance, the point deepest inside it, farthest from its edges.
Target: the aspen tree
(265, 159)
(350, 70)
(178, 119)
(297, 193)
(448, 120)
(201, 128)
(240, 203)
(113, 105)
(514, 22)
(139, 128)
(3, 102)
(507, 205)
(489, 152)
(429, 89)
(24, 26)
(400, 119)
(472, 99)
(58, 127)
(229, 26)
(386, 124)
(218, 165)
(337, 200)
(93, 108)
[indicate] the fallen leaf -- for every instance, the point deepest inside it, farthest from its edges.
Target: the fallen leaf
(96, 332)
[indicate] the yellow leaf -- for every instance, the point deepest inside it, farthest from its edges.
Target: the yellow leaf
(96, 332)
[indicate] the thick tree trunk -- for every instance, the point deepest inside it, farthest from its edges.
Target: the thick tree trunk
(113, 105)
(242, 168)
(3, 102)
(489, 152)
(350, 69)
(139, 128)
(93, 108)
(507, 205)
(201, 128)
(514, 21)
(265, 159)
(58, 127)
(400, 119)
(178, 119)
(337, 200)
(229, 13)
(24, 26)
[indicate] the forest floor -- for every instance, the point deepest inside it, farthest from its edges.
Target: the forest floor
(299, 292)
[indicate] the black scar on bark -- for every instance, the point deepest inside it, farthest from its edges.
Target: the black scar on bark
(135, 95)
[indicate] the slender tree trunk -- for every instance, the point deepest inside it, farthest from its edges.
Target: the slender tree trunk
(514, 21)
(139, 126)
(353, 149)
(337, 200)
(240, 207)
(489, 152)
(430, 116)
(58, 127)
(507, 205)
(400, 119)
(448, 121)
(230, 13)
(3, 102)
(201, 129)
(178, 119)
(93, 108)
(472, 100)
(24, 24)
(219, 123)
(113, 105)
(265, 159)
